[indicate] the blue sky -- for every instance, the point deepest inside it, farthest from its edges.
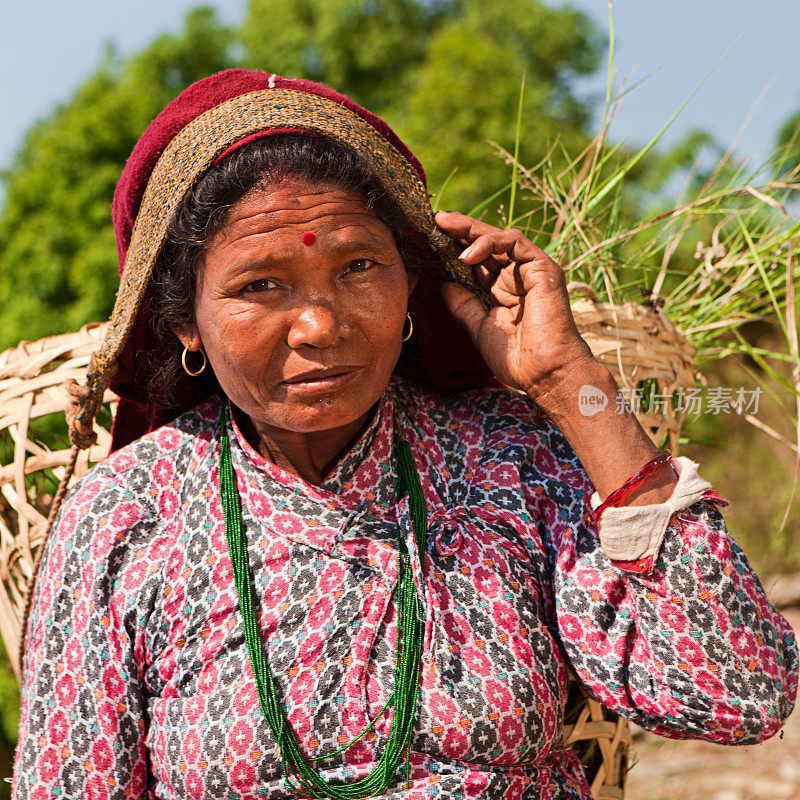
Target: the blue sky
(48, 47)
(673, 45)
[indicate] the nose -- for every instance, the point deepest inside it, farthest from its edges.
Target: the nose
(316, 324)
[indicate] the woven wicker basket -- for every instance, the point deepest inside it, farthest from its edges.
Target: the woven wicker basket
(644, 351)
(634, 341)
(32, 402)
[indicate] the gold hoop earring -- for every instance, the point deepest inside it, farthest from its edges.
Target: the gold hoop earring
(410, 328)
(183, 361)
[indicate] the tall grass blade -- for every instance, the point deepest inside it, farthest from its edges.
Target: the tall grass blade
(515, 171)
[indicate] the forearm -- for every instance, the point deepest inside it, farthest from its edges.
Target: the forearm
(611, 444)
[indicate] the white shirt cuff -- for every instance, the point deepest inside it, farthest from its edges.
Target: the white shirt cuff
(628, 533)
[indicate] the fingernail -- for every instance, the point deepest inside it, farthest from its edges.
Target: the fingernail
(466, 253)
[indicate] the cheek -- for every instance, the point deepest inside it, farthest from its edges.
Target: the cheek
(235, 336)
(384, 321)
(383, 310)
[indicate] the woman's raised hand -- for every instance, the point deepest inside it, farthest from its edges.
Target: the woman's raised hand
(529, 338)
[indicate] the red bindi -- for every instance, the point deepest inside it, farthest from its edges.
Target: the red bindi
(309, 239)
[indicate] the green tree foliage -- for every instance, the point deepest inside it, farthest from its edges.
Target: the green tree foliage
(364, 48)
(445, 75)
(57, 251)
(469, 91)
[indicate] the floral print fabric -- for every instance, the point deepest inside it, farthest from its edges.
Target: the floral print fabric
(137, 680)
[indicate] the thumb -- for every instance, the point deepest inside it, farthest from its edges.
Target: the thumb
(465, 307)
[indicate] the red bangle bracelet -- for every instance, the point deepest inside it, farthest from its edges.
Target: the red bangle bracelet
(619, 494)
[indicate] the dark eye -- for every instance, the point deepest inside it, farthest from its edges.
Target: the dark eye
(360, 265)
(261, 285)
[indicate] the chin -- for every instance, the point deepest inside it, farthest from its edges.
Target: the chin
(325, 413)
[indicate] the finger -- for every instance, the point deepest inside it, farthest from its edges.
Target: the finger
(506, 245)
(469, 229)
(465, 307)
(471, 232)
(485, 276)
(502, 297)
(481, 253)
(511, 281)
(504, 278)
(503, 246)
(543, 274)
(462, 226)
(506, 284)
(480, 250)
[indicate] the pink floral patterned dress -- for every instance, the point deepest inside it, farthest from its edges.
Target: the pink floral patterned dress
(137, 680)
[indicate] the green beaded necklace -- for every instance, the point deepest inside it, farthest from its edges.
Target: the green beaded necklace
(410, 625)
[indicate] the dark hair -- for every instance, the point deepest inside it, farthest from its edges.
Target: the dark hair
(262, 162)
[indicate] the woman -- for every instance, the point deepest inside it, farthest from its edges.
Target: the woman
(351, 566)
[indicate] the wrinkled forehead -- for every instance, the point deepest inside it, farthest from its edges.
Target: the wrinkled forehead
(282, 227)
(281, 198)
(295, 200)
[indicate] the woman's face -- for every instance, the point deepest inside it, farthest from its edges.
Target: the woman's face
(300, 307)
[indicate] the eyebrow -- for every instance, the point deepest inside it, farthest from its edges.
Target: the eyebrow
(365, 240)
(352, 244)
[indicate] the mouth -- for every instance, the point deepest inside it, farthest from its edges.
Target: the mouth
(322, 380)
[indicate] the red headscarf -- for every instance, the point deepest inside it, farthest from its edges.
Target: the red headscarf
(443, 351)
